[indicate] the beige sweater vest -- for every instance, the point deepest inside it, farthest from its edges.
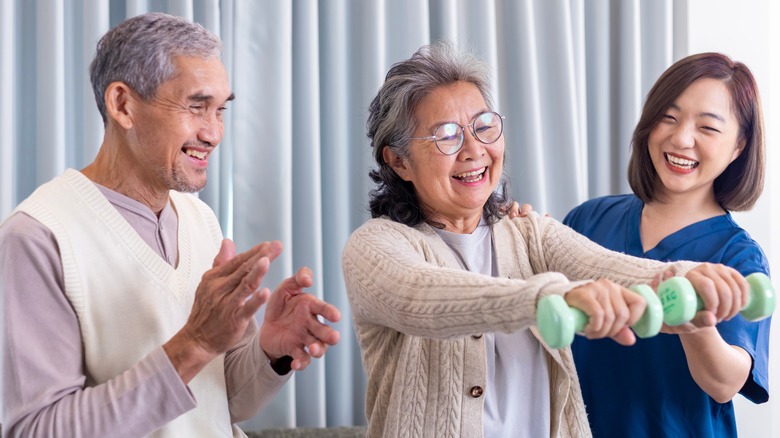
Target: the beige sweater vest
(128, 300)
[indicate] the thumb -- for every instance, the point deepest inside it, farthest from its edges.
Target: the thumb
(226, 252)
(290, 286)
(636, 306)
(704, 318)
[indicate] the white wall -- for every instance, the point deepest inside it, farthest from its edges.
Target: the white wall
(743, 30)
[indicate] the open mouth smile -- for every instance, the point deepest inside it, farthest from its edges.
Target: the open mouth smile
(200, 155)
(681, 163)
(470, 177)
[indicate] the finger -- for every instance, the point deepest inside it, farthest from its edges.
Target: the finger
(587, 299)
(731, 297)
(656, 281)
(327, 311)
(740, 291)
(296, 283)
(687, 327)
(265, 249)
(597, 324)
(304, 278)
(728, 283)
(619, 313)
(227, 251)
(317, 349)
(242, 284)
(253, 302)
(274, 248)
(237, 261)
(324, 333)
(661, 277)
(636, 307)
(245, 277)
(222, 281)
(625, 337)
(301, 359)
(704, 318)
(526, 209)
(290, 286)
(705, 288)
(607, 317)
(745, 290)
(725, 290)
(514, 210)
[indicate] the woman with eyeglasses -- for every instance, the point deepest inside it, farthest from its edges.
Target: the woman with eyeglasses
(697, 153)
(443, 287)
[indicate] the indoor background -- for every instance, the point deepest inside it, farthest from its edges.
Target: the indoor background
(569, 75)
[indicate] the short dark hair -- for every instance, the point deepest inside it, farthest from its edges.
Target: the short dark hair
(738, 187)
(140, 50)
(391, 123)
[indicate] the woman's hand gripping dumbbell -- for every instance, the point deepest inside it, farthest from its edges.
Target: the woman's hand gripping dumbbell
(681, 302)
(558, 322)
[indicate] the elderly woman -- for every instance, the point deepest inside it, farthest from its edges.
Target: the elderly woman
(443, 288)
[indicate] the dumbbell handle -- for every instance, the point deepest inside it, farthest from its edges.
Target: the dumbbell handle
(681, 302)
(557, 322)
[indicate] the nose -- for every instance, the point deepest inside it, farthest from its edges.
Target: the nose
(683, 136)
(472, 148)
(212, 129)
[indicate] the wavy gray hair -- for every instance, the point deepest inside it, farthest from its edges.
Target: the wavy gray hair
(391, 123)
(140, 51)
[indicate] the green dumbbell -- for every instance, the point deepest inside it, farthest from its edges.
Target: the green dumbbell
(557, 322)
(680, 301)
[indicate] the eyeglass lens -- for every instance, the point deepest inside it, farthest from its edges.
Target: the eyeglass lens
(486, 127)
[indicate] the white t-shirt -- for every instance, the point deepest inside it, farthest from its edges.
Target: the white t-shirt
(517, 397)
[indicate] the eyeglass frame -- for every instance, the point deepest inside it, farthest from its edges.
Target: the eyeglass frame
(463, 130)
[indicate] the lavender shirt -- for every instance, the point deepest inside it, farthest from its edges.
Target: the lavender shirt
(43, 382)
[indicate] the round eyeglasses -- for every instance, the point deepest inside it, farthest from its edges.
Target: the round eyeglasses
(486, 127)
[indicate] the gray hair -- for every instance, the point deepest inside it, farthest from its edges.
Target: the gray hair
(391, 123)
(140, 51)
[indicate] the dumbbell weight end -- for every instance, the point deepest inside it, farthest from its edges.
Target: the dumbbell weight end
(680, 301)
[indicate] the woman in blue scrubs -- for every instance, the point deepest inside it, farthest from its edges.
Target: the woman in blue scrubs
(697, 154)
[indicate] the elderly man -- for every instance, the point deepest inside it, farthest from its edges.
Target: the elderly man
(125, 312)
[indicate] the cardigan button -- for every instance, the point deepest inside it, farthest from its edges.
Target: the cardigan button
(476, 391)
(477, 336)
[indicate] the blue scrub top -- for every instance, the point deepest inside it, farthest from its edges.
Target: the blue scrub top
(646, 390)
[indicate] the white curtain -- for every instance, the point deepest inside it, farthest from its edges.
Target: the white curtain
(570, 76)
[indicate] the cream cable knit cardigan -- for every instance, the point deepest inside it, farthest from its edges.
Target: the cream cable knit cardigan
(418, 318)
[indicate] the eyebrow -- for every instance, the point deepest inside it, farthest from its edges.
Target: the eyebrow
(206, 98)
(713, 115)
(703, 114)
(437, 124)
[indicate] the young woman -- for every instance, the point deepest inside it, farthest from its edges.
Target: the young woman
(697, 153)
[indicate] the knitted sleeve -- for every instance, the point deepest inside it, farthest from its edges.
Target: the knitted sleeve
(396, 278)
(564, 250)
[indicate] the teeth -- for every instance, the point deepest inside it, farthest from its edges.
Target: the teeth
(472, 176)
(195, 153)
(467, 174)
(681, 162)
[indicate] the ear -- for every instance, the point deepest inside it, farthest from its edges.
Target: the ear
(398, 164)
(120, 102)
(740, 147)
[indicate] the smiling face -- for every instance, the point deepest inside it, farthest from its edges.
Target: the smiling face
(172, 135)
(451, 189)
(695, 140)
